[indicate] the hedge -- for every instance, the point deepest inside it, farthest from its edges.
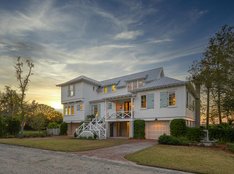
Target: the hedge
(194, 133)
(53, 125)
(178, 127)
(230, 147)
(139, 129)
(223, 133)
(167, 139)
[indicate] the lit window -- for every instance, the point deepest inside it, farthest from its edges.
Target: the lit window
(72, 110)
(105, 90)
(143, 101)
(113, 88)
(68, 110)
(172, 99)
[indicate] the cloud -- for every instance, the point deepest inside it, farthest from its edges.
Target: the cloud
(156, 41)
(38, 16)
(128, 35)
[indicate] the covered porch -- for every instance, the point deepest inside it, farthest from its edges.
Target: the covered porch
(119, 108)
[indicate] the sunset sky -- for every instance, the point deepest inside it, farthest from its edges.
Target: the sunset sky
(103, 39)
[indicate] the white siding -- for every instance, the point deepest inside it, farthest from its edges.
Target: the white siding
(157, 112)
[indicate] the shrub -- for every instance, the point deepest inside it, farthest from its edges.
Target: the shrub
(139, 129)
(194, 134)
(167, 139)
(230, 147)
(32, 134)
(53, 125)
(63, 129)
(2, 126)
(13, 126)
(223, 133)
(90, 117)
(178, 127)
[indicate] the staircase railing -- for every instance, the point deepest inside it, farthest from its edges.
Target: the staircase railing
(96, 126)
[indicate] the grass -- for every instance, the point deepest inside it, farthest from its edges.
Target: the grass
(185, 158)
(64, 143)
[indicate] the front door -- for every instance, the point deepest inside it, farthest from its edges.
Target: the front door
(127, 106)
(96, 110)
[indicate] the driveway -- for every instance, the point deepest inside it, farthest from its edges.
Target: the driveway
(118, 152)
(21, 160)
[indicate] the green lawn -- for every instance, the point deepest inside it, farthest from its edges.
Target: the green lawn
(191, 159)
(64, 143)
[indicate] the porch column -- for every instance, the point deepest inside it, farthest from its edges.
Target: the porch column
(131, 129)
(105, 110)
(132, 107)
(107, 129)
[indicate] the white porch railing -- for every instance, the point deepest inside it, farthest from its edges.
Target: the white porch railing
(120, 115)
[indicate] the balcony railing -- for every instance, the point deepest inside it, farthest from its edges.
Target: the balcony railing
(120, 115)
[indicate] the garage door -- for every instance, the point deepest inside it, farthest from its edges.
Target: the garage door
(154, 129)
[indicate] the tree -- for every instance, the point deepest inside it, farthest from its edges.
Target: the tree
(9, 102)
(215, 72)
(23, 85)
(38, 121)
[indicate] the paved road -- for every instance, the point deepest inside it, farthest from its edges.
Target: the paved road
(21, 160)
(118, 152)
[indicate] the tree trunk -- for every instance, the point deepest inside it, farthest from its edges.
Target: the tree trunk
(197, 105)
(208, 108)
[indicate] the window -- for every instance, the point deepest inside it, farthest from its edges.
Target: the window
(167, 99)
(71, 90)
(190, 102)
(140, 83)
(93, 88)
(135, 84)
(105, 89)
(72, 110)
(68, 110)
(147, 101)
(129, 86)
(109, 105)
(80, 107)
(65, 110)
(172, 99)
(113, 88)
(143, 101)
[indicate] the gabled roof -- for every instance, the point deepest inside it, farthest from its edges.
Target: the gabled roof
(153, 79)
(148, 76)
(81, 78)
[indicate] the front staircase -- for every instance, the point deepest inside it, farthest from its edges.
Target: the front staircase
(96, 127)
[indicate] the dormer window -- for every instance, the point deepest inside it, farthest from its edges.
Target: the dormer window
(105, 90)
(113, 88)
(71, 90)
(135, 84)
